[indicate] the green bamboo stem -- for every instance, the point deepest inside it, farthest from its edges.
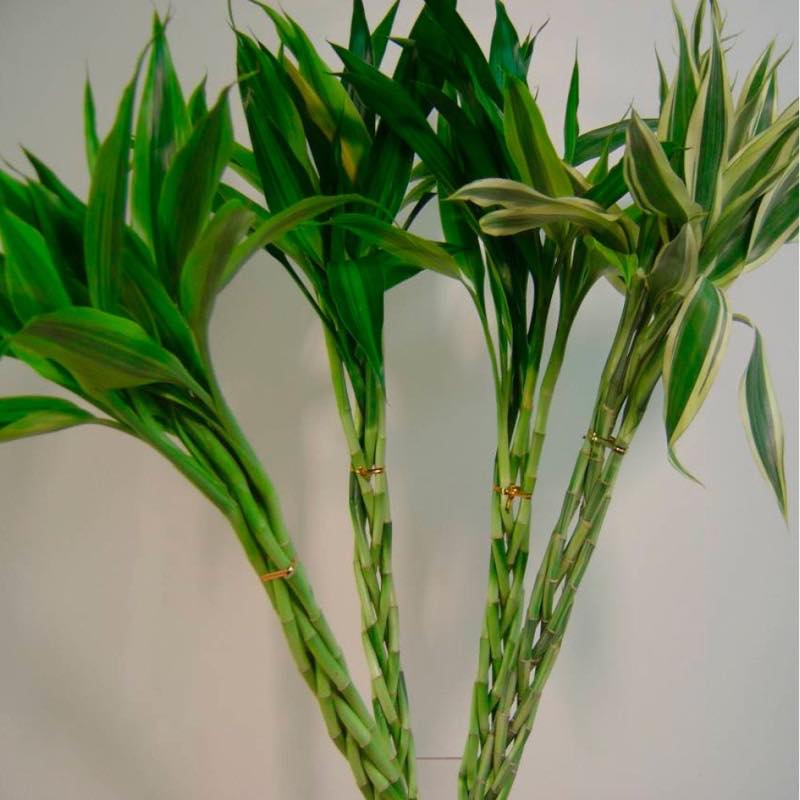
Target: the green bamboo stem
(566, 559)
(372, 562)
(216, 466)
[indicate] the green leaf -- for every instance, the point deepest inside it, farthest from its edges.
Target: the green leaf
(381, 34)
(393, 103)
(410, 249)
(674, 270)
(652, 182)
(90, 126)
(101, 350)
(32, 280)
(609, 138)
(571, 128)
(708, 131)
(682, 96)
(529, 143)
(162, 129)
(197, 107)
(202, 274)
(278, 225)
(360, 40)
(695, 345)
(30, 415)
(357, 290)
(525, 208)
(762, 419)
(326, 98)
(506, 54)
(776, 220)
(190, 185)
(105, 218)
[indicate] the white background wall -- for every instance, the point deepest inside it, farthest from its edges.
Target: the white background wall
(139, 657)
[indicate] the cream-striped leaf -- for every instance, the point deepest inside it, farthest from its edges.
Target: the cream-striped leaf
(707, 135)
(776, 220)
(650, 178)
(695, 345)
(762, 418)
(525, 208)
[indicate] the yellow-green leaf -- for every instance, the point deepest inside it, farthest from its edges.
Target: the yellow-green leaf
(25, 416)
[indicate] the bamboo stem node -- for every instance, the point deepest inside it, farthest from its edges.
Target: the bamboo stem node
(607, 441)
(511, 492)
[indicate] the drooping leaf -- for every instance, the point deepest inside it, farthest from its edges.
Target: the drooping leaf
(651, 179)
(694, 349)
(189, 187)
(32, 280)
(762, 421)
(30, 415)
(202, 274)
(525, 208)
(101, 350)
(105, 218)
(529, 143)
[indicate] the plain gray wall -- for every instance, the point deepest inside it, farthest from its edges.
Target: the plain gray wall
(139, 656)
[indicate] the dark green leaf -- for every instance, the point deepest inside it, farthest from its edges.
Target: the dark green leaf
(571, 129)
(90, 126)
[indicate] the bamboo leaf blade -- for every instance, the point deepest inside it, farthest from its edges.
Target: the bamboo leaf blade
(101, 350)
(762, 420)
(24, 416)
(32, 280)
(694, 349)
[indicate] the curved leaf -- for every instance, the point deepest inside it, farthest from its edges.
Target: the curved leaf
(762, 419)
(650, 178)
(32, 280)
(30, 415)
(101, 350)
(529, 143)
(695, 345)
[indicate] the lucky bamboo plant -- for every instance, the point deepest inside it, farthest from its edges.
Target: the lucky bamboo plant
(110, 299)
(714, 193)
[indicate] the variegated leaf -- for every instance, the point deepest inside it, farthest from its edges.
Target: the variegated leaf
(525, 208)
(650, 178)
(675, 268)
(762, 418)
(695, 345)
(707, 135)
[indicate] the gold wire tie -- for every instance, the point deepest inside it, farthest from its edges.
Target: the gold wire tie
(609, 441)
(512, 492)
(277, 574)
(367, 472)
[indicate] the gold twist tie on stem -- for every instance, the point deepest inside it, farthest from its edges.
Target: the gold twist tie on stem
(277, 574)
(367, 472)
(608, 441)
(511, 492)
